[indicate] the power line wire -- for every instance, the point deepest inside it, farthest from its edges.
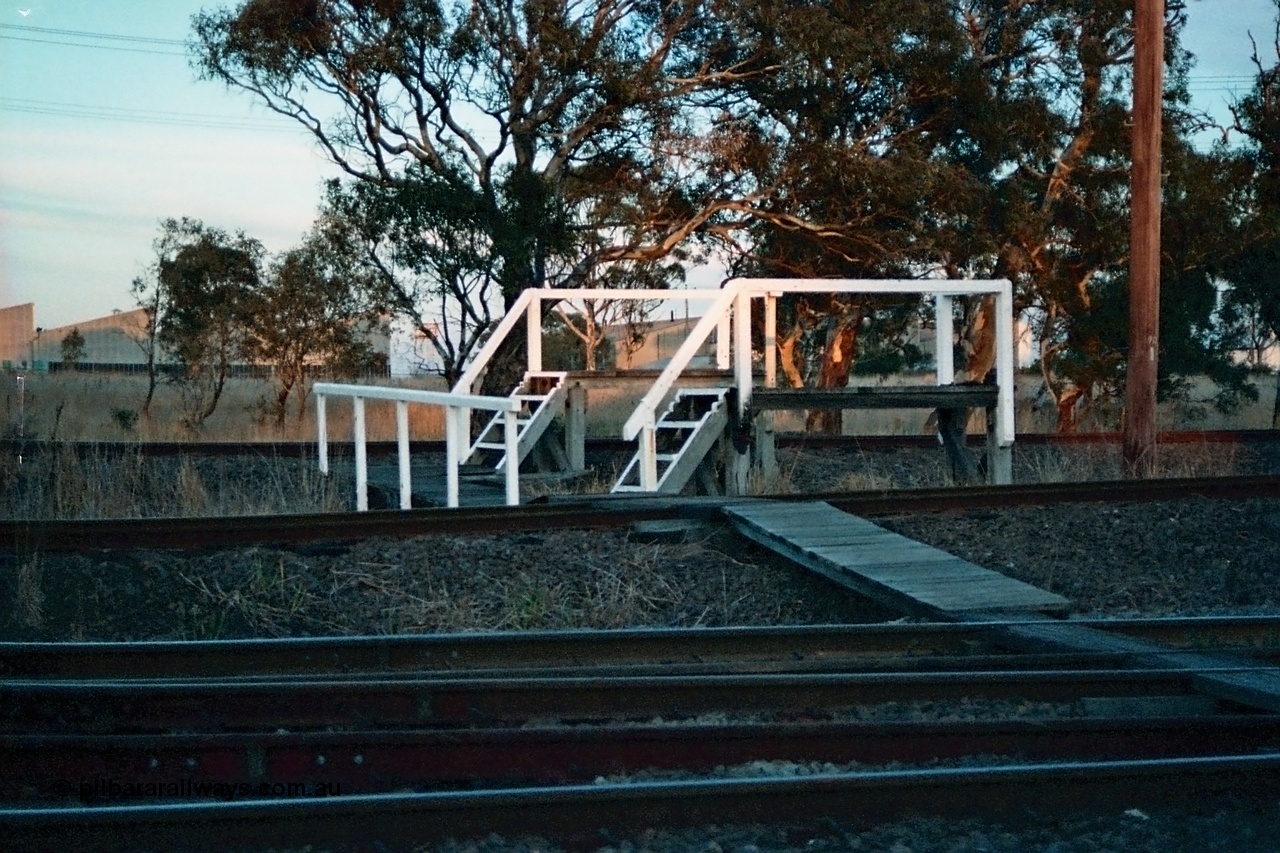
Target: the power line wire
(93, 35)
(95, 46)
(140, 116)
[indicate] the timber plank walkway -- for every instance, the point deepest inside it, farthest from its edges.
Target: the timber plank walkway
(892, 569)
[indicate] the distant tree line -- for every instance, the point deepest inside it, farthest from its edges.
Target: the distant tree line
(215, 300)
(493, 145)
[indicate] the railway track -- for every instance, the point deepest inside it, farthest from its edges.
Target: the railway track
(307, 449)
(54, 536)
(340, 742)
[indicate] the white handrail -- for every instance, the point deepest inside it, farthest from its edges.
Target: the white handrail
(469, 376)
(645, 411)
(455, 434)
(535, 296)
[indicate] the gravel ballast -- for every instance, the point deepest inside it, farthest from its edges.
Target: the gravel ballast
(1189, 557)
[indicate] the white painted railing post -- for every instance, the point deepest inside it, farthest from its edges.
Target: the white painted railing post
(510, 432)
(452, 436)
(457, 413)
(771, 340)
(722, 341)
(533, 327)
(742, 349)
(362, 470)
(649, 455)
(402, 448)
(1004, 364)
(943, 344)
(322, 431)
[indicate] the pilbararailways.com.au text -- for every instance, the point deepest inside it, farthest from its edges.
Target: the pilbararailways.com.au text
(182, 789)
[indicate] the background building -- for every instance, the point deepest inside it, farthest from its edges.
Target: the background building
(17, 334)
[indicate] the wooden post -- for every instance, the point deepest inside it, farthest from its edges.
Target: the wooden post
(739, 463)
(509, 432)
(764, 441)
(1000, 457)
(722, 342)
(575, 427)
(771, 340)
(455, 434)
(1144, 241)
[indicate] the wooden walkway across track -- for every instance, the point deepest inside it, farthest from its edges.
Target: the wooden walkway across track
(882, 565)
(1235, 678)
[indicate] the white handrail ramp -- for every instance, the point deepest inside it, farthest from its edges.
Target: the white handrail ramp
(457, 430)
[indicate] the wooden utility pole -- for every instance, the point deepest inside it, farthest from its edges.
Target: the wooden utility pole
(1144, 241)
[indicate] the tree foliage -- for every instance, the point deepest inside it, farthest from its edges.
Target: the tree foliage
(309, 313)
(1252, 304)
(214, 302)
(493, 145)
(72, 347)
(209, 282)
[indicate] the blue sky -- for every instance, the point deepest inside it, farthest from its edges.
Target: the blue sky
(101, 138)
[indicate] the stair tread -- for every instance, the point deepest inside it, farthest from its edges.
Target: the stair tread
(677, 424)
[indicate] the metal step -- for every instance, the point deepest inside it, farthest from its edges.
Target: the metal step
(538, 412)
(676, 469)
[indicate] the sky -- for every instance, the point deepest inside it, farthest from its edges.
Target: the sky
(105, 130)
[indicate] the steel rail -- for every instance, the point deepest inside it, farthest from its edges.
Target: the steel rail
(95, 769)
(159, 705)
(897, 645)
(51, 536)
(577, 812)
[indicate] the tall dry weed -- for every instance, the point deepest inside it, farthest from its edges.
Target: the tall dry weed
(108, 407)
(29, 598)
(98, 482)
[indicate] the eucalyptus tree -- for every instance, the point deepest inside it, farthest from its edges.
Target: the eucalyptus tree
(980, 138)
(510, 107)
(309, 313)
(1253, 272)
(202, 289)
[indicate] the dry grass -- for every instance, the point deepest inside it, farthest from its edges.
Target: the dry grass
(61, 483)
(1088, 463)
(107, 407)
(424, 587)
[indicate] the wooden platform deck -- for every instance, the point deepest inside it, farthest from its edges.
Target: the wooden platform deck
(892, 569)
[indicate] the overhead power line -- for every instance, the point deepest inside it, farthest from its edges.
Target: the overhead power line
(87, 38)
(116, 48)
(92, 35)
(141, 116)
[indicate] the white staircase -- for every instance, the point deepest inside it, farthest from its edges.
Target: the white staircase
(542, 397)
(685, 434)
